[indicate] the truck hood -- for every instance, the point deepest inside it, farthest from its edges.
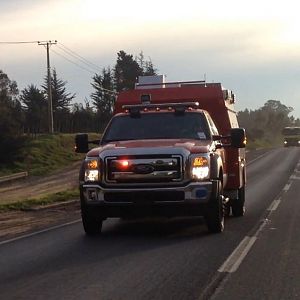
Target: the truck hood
(137, 147)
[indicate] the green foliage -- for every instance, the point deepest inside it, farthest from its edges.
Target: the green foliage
(61, 101)
(146, 66)
(103, 98)
(35, 107)
(126, 71)
(31, 203)
(83, 118)
(43, 154)
(11, 119)
(123, 77)
(264, 125)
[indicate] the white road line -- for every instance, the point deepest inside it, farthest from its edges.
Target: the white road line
(237, 256)
(38, 232)
(255, 159)
(233, 262)
(296, 173)
(274, 205)
(287, 187)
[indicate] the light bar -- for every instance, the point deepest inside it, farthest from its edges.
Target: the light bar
(161, 105)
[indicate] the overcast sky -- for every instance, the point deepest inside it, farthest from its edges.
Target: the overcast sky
(251, 47)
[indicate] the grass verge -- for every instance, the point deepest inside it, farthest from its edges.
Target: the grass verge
(31, 203)
(43, 154)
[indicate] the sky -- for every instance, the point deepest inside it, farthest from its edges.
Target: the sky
(251, 47)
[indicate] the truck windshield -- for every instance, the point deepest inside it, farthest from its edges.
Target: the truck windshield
(188, 125)
(291, 131)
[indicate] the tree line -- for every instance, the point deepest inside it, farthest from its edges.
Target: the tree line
(25, 112)
(266, 123)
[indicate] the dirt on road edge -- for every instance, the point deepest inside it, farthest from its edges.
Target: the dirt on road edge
(17, 223)
(14, 223)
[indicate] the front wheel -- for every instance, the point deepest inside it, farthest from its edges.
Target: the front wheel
(238, 205)
(214, 215)
(91, 225)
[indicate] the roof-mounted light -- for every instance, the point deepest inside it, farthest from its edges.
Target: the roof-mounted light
(135, 109)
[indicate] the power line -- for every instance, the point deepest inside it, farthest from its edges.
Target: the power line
(72, 62)
(83, 68)
(23, 42)
(79, 57)
(69, 52)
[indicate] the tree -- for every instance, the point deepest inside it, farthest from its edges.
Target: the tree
(61, 100)
(146, 66)
(126, 71)
(11, 118)
(104, 96)
(35, 105)
(266, 122)
(83, 118)
(276, 116)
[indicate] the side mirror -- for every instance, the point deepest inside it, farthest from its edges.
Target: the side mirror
(238, 137)
(81, 143)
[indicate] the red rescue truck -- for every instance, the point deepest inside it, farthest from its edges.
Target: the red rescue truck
(171, 149)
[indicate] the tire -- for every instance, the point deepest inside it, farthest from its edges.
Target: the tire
(91, 225)
(238, 205)
(215, 214)
(227, 210)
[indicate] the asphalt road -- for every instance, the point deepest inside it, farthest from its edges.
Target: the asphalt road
(255, 258)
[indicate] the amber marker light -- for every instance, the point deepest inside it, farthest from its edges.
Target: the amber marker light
(92, 172)
(92, 164)
(200, 168)
(200, 161)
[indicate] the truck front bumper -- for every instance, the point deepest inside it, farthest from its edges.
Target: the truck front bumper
(167, 201)
(193, 193)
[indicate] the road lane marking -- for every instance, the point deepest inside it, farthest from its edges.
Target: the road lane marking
(258, 157)
(286, 187)
(38, 232)
(296, 173)
(274, 205)
(233, 262)
(237, 256)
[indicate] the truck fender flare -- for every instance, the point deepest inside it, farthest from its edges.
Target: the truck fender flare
(216, 166)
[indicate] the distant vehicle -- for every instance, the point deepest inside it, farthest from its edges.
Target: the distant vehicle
(291, 136)
(171, 149)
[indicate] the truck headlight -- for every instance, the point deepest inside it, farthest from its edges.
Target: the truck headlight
(200, 167)
(92, 170)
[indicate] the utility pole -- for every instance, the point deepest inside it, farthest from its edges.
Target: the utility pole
(50, 107)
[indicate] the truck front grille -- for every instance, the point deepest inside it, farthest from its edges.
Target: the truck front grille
(144, 197)
(140, 169)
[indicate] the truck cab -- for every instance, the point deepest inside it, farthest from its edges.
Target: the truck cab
(291, 136)
(169, 150)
